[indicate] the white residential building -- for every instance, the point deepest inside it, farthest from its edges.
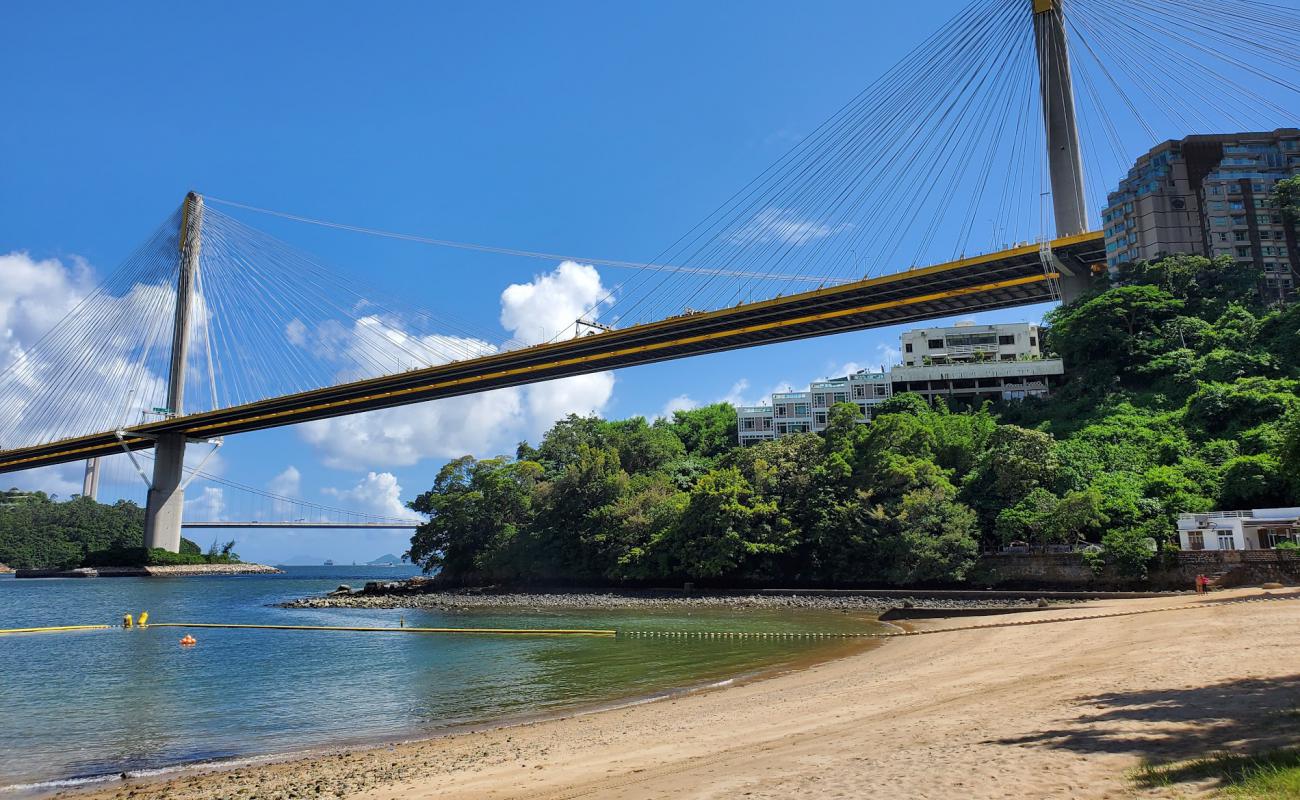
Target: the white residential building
(965, 343)
(1256, 529)
(964, 363)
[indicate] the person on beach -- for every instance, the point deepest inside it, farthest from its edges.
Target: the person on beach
(1200, 584)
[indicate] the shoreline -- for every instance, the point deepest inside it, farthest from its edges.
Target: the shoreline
(812, 599)
(88, 787)
(945, 715)
(152, 571)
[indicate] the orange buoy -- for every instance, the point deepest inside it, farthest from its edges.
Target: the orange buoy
(188, 641)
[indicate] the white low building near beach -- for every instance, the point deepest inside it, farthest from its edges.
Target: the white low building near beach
(1256, 529)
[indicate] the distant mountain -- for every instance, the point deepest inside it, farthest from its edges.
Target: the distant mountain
(387, 558)
(302, 561)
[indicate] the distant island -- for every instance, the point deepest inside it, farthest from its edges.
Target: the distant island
(386, 560)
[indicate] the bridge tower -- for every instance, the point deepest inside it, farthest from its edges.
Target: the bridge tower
(90, 481)
(1064, 160)
(163, 510)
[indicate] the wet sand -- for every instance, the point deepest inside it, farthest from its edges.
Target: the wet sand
(1024, 711)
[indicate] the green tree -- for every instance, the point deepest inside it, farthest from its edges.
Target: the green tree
(724, 529)
(708, 431)
(644, 448)
(475, 509)
(1016, 462)
(1286, 198)
(1289, 459)
(1106, 335)
(1254, 482)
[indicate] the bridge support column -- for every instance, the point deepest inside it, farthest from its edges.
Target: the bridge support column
(162, 521)
(90, 482)
(163, 511)
(1064, 160)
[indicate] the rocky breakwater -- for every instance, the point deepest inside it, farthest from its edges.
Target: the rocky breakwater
(424, 593)
(167, 571)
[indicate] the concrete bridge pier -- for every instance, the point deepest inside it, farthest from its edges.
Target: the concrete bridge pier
(166, 502)
(163, 511)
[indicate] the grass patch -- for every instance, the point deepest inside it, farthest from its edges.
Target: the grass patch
(1268, 776)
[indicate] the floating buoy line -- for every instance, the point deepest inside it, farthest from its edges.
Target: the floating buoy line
(643, 634)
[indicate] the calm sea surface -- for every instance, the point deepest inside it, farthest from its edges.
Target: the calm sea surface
(78, 705)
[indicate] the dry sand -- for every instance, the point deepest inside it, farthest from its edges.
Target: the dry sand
(1062, 710)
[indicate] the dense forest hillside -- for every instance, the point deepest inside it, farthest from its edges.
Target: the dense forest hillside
(38, 531)
(1183, 394)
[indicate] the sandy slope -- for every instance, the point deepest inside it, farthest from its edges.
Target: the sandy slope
(1056, 710)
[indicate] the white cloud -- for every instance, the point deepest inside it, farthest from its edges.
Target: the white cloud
(679, 403)
(889, 356)
(378, 493)
(550, 304)
(287, 483)
(483, 424)
(784, 226)
(208, 506)
(34, 297)
(63, 480)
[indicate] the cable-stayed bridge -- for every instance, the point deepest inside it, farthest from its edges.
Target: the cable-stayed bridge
(214, 328)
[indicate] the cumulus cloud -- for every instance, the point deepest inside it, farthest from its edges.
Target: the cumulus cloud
(483, 424)
(549, 305)
(784, 226)
(377, 493)
(35, 296)
(208, 506)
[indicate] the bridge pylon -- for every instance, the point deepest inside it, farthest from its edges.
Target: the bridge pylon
(166, 500)
(1064, 158)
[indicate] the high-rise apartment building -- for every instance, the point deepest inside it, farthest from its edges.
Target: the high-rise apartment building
(1209, 195)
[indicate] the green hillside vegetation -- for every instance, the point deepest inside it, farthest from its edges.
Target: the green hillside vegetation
(38, 531)
(1183, 394)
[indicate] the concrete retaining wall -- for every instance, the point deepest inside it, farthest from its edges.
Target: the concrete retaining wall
(1168, 571)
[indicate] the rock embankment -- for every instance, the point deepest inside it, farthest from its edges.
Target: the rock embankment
(403, 595)
(168, 571)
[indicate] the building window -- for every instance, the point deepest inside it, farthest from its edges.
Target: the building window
(1226, 542)
(821, 418)
(1033, 341)
(908, 347)
(1280, 535)
(1195, 540)
(1244, 252)
(1006, 341)
(880, 390)
(1241, 236)
(935, 344)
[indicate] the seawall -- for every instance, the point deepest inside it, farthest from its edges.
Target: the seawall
(163, 571)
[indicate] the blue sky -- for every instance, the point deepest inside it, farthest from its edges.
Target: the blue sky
(604, 129)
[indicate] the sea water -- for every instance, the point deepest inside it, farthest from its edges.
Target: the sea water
(98, 703)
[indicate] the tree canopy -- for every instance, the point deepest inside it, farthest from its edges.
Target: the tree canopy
(1182, 394)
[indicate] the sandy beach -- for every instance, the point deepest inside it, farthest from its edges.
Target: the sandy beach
(1058, 710)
